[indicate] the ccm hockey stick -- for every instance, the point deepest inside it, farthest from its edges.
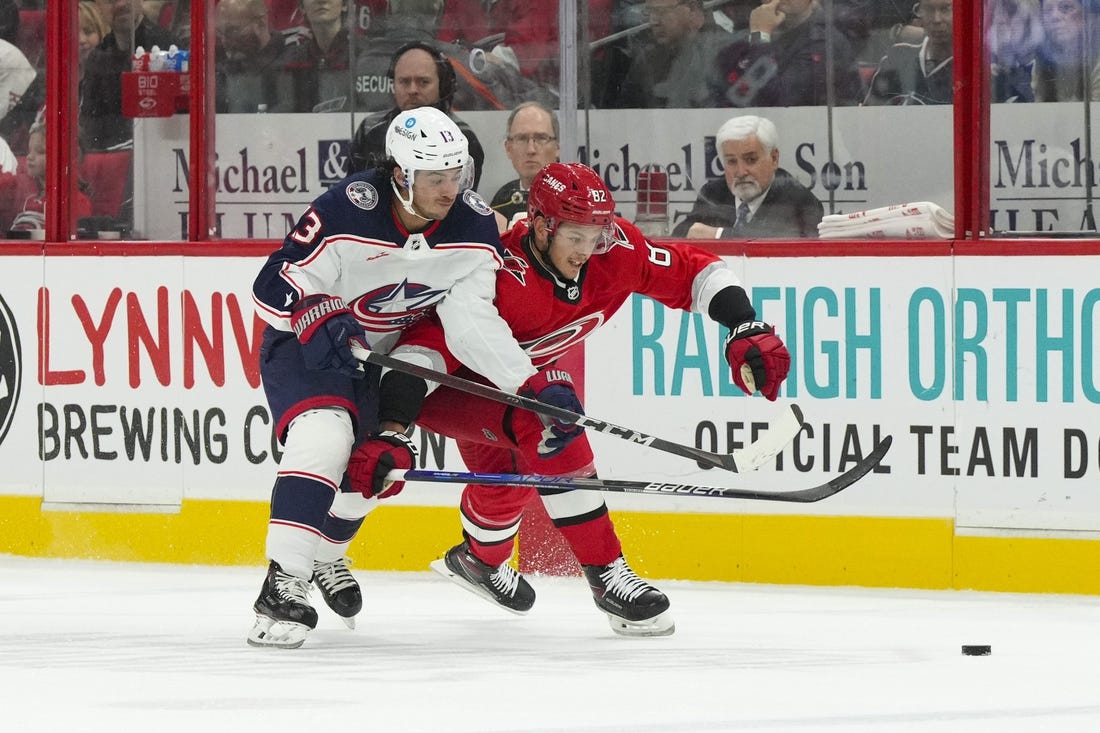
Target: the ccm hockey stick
(800, 496)
(781, 430)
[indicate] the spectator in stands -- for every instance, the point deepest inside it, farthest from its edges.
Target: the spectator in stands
(407, 21)
(1013, 31)
(872, 26)
(318, 56)
(8, 161)
(102, 124)
(532, 143)
(486, 80)
(784, 59)
(176, 17)
(16, 74)
(93, 28)
(755, 198)
(153, 9)
(421, 76)
(1067, 69)
(22, 93)
(23, 195)
(918, 73)
(9, 21)
(518, 29)
(287, 14)
(666, 72)
(249, 60)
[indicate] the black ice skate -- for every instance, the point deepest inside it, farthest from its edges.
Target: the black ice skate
(339, 589)
(633, 606)
(502, 585)
(283, 613)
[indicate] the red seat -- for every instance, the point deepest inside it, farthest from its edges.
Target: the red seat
(107, 175)
(31, 38)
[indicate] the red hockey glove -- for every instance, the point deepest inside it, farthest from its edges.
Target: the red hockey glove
(325, 328)
(758, 358)
(554, 387)
(377, 456)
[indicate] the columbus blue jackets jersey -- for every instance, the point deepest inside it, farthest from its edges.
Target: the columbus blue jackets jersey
(350, 243)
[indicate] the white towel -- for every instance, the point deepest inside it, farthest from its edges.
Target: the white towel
(8, 161)
(918, 220)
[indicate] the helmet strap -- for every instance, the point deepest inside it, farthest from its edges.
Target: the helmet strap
(406, 205)
(544, 257)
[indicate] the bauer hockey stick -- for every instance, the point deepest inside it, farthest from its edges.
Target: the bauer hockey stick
(800, 496)
(781, 430)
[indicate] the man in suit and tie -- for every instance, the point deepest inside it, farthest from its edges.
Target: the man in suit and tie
(755, 199)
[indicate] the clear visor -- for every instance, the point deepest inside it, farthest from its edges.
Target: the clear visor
(430, 185)
(586, 239)
(466, 170)
(430, 181)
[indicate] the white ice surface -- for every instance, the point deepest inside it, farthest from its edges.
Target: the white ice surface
(94, 647)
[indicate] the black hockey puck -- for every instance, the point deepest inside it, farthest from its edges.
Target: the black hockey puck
(977, 650)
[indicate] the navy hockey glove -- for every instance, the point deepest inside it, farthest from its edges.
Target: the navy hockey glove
(325, 328)
(554, 387)
(758, 358)
(377, 456)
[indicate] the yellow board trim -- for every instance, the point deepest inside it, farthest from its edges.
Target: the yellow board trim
(784, 549)
(213, 533)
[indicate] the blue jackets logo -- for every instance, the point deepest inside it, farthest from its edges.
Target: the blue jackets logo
(11, 368)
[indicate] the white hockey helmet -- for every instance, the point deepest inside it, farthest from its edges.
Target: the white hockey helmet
(425, 139)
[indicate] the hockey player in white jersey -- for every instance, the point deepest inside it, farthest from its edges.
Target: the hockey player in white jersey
(372, 255)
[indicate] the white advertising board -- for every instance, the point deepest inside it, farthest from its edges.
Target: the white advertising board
(148, 388)
(987, 379)
(133, 381)
(269, 167)
(141, 387)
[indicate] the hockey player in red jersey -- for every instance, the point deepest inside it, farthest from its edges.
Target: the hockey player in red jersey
(568, 268)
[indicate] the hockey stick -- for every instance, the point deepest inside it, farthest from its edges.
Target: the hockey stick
(801, 496)
(781, 430)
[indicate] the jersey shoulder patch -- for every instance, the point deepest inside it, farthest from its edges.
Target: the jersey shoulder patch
(362, 194)
(475, 202)
(515, 266)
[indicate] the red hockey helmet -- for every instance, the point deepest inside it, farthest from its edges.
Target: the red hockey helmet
(571, 192)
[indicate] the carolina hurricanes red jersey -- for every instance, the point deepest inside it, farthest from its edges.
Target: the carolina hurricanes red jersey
(549, 316)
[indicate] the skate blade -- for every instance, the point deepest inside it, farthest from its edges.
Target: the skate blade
(440, 566)
(267, 632)
(660, 625)
(349, 621)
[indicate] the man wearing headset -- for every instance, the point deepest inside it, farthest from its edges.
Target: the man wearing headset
(422, 76)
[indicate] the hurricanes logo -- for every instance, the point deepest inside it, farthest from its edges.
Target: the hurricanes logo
(545, 349)
(516, 267)
(11, 368)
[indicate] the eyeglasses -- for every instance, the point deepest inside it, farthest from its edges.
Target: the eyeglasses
(539, 140)
(659, 11)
